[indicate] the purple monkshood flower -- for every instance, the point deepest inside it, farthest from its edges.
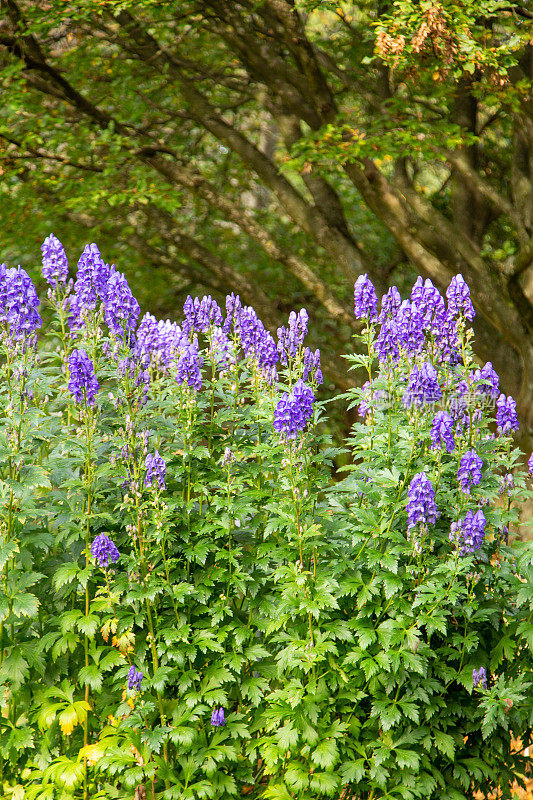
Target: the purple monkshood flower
(90, 285)
(421, 508)
(479, 677)
(200, 314)
(256, 341)
(404, 330)
(188, 365)
(506, 414)
(468, 533)
(423, 386)
(387, 343)
(458, 403)
(410, 328)
(530, 464)
(217, 717)
(458, 296)
(233, 309)
(294, 410)
(83, 384)
(134, 679)
(55, 262)
(469, 473)
(142, 381)
(222, 350)
(311, 366)
(156, 469)
(228, 457)
(430, 303)
(503, 534)
(442, 431)
(371, 400)
(18, 302)
(507, 483)
(447, 339)
(156, 341)
(121, 308)
(390, 303)
(104, 551)
(364, 406)
(291, 339)
(491, 383)
(365, 299)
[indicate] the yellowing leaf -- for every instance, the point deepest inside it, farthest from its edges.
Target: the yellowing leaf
(124, 642)
(92, 752)
(68, 719)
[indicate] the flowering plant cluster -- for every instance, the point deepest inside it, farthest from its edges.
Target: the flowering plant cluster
(191, 607)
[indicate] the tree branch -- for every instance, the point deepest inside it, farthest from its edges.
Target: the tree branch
(478, 184)
(198, 184)
(309, 217)
(47, 156)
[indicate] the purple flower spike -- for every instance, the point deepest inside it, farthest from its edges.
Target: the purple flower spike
(364, 406)
(134, 679)
(469, 473)
(387, 344)
(256, 341)
(429, 302)
(311, 365)
(506, 415)
(233, 309)
(156, 469)
(458, 296)
(228, 457)
(83, 384)
(156, 341)
(291, 338)
(447, 339)
(121, 308)
(217, 717)
(222, 351)
(390, 303)
(372, 400)
(468, 533)
(530, 464)
(410, 328)
(200, 314)
(104, 551)
(90, 286)
(487, 373)
(55, 263)
(294, 410)
(421, 508)
(442, 431)
(188, 365)
(18, 302)
(423, 386)
(507, 483)
(479, 677)
(365, 299)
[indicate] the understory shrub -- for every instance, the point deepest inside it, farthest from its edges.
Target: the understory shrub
(192, 607)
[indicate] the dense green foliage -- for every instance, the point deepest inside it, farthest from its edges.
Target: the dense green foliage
(340, 643)
(279, 148)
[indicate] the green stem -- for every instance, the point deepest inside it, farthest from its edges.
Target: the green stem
(88, 509)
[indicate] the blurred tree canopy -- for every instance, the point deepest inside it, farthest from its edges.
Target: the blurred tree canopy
(278, 149)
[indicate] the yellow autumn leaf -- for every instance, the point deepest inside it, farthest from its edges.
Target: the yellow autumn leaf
(92, 752)
(124, 642)
(68, 719)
